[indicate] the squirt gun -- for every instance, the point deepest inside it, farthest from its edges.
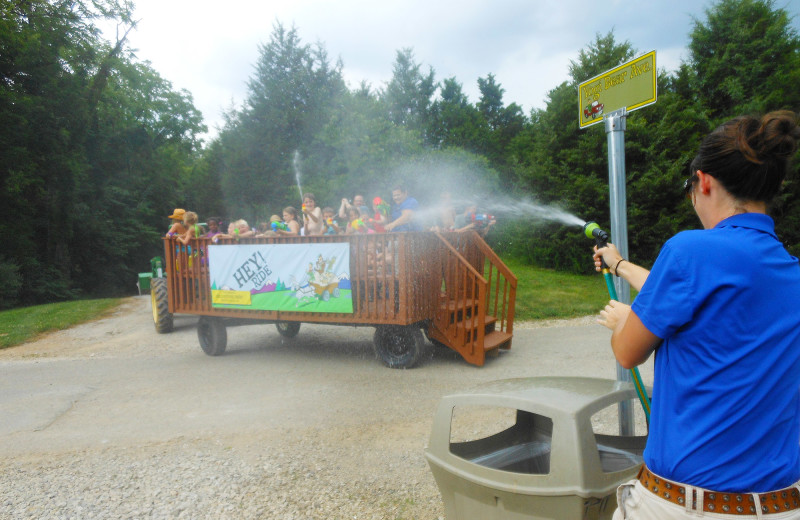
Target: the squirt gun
(481, 220)
(381, 206)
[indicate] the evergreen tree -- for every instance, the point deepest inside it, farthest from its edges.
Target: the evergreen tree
(745, 58)
(455, 122)
(408, 95)
(290, 100)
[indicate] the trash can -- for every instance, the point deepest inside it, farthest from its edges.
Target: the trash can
(144, 282)
(533, 448)
(157, 267)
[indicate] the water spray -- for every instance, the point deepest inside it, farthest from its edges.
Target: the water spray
(296, 166)
(601, 238)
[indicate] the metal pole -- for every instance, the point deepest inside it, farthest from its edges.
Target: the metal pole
(615, 123)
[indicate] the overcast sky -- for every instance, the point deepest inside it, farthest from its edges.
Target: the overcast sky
(210, 47)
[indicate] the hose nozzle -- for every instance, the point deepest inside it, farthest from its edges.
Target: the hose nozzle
(593, 230)
(600, 236)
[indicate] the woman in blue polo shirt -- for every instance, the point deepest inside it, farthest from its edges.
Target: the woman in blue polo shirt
(721, 311)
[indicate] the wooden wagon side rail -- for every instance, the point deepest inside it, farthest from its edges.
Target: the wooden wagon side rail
(386, 272)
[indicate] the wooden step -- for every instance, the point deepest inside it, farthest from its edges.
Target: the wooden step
(467, 324)
(452, 305)
(495, 340)
(490, 321)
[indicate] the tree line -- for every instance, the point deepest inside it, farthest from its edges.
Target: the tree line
(98, 148)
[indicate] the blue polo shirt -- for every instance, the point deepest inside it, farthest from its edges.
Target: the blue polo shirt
(397, 210)
(726, 393)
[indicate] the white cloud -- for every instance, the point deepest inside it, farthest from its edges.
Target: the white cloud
(210, 48)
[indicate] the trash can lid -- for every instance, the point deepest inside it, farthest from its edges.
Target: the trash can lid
(572, 394)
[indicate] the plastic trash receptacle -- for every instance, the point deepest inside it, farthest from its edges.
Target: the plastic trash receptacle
(144, 282)
(544, 462)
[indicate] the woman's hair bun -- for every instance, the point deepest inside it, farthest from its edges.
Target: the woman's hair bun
(779, 134)
(775, 136)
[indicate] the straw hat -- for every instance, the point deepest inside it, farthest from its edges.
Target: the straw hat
(177, 214)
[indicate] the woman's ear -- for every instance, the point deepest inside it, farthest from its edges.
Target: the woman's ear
(703, 182)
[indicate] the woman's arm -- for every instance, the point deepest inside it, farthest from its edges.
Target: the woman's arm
(631, 341)
(632, 273)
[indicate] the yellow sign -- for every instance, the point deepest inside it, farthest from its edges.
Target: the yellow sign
(632, 85)
(230, 297)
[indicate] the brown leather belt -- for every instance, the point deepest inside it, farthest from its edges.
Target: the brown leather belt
(726, 503)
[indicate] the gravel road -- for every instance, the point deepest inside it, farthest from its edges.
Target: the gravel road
(111, 420)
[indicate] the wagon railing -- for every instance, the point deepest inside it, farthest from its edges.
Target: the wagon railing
(460, 321)
(452, 284)
(388, 274)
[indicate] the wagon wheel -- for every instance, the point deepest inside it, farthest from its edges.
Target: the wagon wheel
(212, 335)
(326, 295)
(336, 293)
(288, 329)
(159, 300)
(399, 346)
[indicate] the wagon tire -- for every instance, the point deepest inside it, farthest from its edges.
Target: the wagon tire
(336, 293)
(212, 335)
(159, 300)
(288, 329)
(399, 346)
(326, 295)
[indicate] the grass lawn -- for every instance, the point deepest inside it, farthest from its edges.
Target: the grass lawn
(23, 324)
(548, 294)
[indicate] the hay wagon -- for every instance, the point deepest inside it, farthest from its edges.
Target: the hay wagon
(450, 286)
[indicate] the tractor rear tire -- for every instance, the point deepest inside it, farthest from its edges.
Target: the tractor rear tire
(159, 300)
(212, 335)
(399, 346)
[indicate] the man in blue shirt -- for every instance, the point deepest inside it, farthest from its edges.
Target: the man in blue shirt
(403, 218)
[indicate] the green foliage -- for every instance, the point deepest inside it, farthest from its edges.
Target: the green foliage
(744, 58)
(408, 94)
(291, 99)
(97, 148)
(455, 122)
(87, 134)
(10, 283)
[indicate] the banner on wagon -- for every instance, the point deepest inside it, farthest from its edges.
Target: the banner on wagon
(281, 277)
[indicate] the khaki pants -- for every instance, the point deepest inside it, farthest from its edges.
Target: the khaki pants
(637, 503)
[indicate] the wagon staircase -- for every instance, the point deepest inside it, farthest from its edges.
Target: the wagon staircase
(475, 310)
